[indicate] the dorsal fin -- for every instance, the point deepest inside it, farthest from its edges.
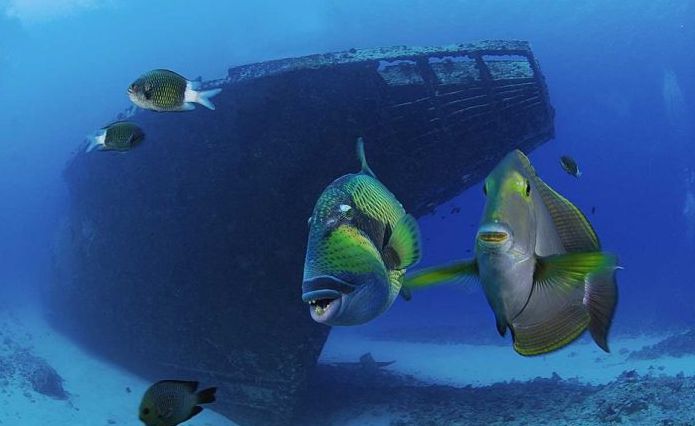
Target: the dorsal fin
(574, 229)
(113, 123)
(363, 158)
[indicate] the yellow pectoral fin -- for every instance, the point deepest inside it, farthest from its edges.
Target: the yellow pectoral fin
(405, 242)
(441, 274)
(565, 271)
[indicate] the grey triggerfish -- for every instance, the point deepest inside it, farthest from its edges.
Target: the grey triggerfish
(539, 262)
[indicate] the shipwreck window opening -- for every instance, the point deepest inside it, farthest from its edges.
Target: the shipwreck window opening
(400, 72)
(508, 67)
(384, 65)
(460, 69)
(493, 58)
(448, 59)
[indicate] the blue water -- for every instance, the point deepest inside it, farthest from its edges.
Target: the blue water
(621, 77)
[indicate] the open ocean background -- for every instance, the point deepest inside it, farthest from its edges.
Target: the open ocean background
(621, 77)
(64, 65)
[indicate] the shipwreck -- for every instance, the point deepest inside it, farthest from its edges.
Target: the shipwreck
(183, 258)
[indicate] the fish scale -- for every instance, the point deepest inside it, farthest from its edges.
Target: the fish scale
(120, 133)
(343, 250)
(118, 136)
(374, 200)
(167, 88)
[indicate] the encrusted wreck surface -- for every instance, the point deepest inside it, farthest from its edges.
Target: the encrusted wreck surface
(184, 257)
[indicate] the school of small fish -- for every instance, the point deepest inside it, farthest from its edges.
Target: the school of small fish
(158, 90)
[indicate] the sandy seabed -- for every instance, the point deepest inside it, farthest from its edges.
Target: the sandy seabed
(97, 390)
(453, 375)
(479, 365)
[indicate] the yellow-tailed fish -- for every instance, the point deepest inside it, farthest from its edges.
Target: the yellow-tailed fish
(539, 262)
(361, 241)
(118, 136)
(570, 166)
(171, 402)
(164, 90)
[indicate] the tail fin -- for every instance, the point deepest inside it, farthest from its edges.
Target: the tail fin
(600, 299)
(94, 142)
(203, 98)
(206, 396)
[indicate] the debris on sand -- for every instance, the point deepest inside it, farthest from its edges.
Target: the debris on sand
(402, 400)
(677, 346)
(20, 367)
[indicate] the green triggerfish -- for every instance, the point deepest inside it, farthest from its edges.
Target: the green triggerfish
(171, 402)
(539, 262)
(570, 166)
(118, 136)
(164, 90)
(360, 243)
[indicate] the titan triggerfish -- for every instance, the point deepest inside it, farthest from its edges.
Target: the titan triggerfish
(361, 241)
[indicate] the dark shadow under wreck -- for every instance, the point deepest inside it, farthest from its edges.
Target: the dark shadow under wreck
(183, 258)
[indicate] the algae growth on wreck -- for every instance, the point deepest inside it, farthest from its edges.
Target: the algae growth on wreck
(181, 256)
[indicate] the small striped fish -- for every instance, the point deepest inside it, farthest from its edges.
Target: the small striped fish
(164, 90)
(172, 402)
(118, 136)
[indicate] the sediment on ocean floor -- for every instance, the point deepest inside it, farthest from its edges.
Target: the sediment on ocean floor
(183, 257)
(678, 345)
(21, 370)
(381, 397)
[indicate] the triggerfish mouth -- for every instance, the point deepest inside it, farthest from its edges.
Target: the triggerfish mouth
(539, 262)
(360, 243)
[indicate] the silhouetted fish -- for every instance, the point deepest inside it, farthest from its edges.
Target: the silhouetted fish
(570, 166)
(171, 402)
(118, 136)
